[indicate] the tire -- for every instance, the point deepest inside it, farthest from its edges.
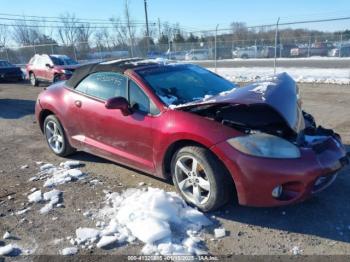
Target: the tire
(56, 78)
(210, 174)
(56, 137)
(244, 56)
(33, 80)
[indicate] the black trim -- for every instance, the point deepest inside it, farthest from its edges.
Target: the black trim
(119, 66)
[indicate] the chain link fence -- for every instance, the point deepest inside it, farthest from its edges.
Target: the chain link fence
(260, 42)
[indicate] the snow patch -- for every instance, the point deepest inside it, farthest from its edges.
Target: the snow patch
(62, 176)
(106, 240)
(168, 100)
(69, 251)
(6, 250)
(70, 164)
(86, 235)
(296, 250)
(219, 232)
(7, 235)
(35, 197)
(301, 75)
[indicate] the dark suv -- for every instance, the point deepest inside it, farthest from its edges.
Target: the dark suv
(50, 68)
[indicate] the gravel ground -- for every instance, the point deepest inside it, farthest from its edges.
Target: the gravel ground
(320, 225)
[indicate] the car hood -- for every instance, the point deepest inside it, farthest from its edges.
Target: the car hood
(279, 92)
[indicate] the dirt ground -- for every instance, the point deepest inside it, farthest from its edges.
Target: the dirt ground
(321, 225)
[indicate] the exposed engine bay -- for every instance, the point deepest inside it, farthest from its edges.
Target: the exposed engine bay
(254, 118)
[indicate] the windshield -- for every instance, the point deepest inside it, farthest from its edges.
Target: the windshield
(63, 60)
(4, 64)
(179, 84)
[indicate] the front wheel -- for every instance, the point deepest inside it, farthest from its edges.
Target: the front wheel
(200, 178)
(56, 137)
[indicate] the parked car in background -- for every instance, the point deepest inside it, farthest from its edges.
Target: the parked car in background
(250, 52)
(316, 49)
(176, 55)
(343, 51)
(50, 68)
(284, 50)
(197, 54)
(253, 144)
(224, 52)
(10, 72)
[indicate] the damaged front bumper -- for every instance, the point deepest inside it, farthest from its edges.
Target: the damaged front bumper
(256, 178)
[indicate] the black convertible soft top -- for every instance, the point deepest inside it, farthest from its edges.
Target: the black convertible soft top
(119, 66)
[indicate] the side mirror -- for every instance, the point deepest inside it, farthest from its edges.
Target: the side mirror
(119, 103)
(49, 66)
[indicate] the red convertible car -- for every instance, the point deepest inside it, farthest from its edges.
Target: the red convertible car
(181, 121)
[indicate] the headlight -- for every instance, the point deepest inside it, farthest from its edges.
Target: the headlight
(67, 72)
(265, 145)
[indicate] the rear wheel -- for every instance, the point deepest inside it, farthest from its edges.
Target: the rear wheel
(33, 80)
(56, 137)
(200, 178)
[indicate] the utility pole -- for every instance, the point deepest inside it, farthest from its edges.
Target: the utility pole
(215, 51)
(147, 29)
(159, 31)
(276, 42)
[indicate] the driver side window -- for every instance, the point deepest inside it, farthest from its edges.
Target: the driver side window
(103, 85)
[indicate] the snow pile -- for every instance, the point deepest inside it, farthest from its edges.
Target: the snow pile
(53, 197)
(159, 219)
(66, 172)
(35, 197)
(301, 75)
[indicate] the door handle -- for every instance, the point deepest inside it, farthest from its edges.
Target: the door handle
(77, 103)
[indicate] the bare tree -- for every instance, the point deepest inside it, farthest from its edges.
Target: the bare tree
(130, 27)
(84, 32)
(4, 36)
(120, 33)
(69, 30)
(24, 33)
(239, 31)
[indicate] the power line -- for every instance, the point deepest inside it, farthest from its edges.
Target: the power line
(67, 19)
(57, 19)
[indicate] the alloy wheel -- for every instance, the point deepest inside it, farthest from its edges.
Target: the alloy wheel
(54, 137)
(192, 180)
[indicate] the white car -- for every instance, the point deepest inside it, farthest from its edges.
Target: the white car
(197, 54)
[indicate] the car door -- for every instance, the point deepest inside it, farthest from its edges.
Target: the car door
(107, 132)
(49, 70)
(39, 68)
